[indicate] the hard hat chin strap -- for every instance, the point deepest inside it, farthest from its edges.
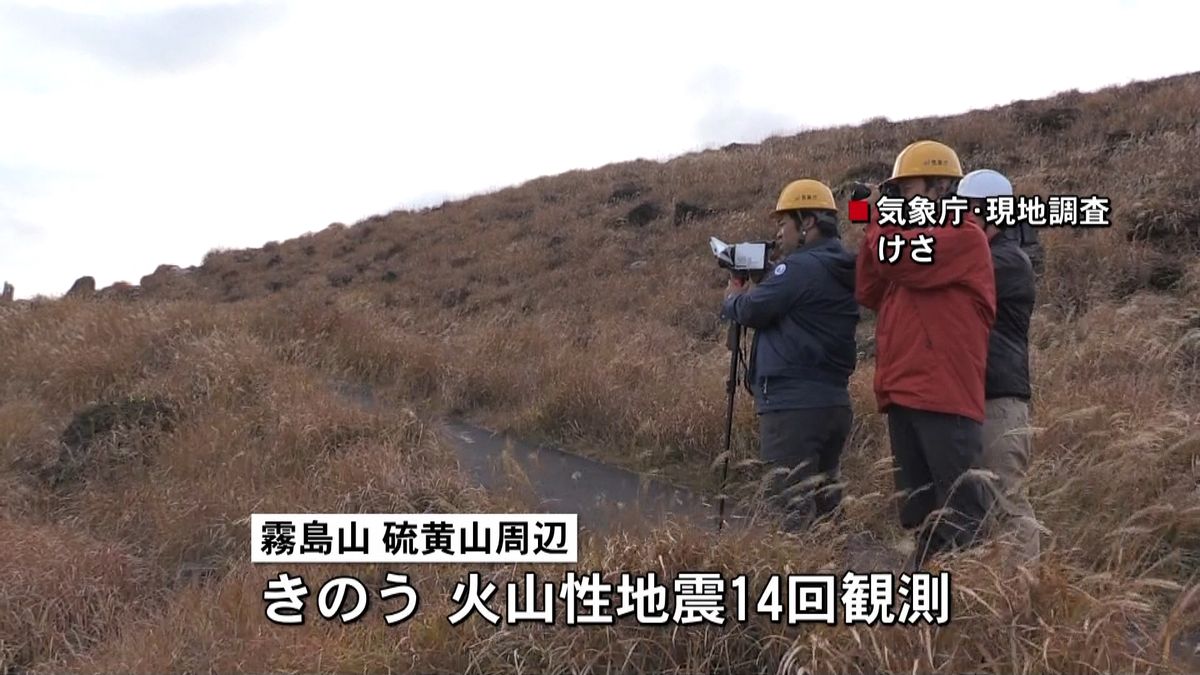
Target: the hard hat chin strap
(798, 219)
(942, 185)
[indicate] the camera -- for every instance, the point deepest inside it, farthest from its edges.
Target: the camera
(748, 259)
(862, 191)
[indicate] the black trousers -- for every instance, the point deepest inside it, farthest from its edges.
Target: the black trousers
(932, 453)
(808, 444)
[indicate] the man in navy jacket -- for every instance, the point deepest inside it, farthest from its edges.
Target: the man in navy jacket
(804, 315)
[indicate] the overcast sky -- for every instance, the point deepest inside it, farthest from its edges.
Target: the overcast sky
(140, 133)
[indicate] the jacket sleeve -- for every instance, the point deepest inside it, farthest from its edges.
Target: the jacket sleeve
(869, 287)
(767, 302)
(1014, 276)
(957, 251)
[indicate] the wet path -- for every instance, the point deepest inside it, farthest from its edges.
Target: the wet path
(606, 497)
(610, 498)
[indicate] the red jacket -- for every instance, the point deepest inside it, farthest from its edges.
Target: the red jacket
(933, 320)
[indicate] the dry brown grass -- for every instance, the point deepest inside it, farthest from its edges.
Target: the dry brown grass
(524, 308)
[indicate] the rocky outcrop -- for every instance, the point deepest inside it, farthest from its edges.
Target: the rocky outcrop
(121, 291)
(643, 214)
(84, 287)
(109, 434)
(169, 281)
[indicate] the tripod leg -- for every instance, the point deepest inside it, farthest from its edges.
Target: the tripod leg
(734, 341)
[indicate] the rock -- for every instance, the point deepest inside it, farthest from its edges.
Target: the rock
(454, 297)
(121, 290)
(1166, 275)
(869, 172)
(163, 278)
(200, 572)
(1117, 137)
(685, 211)
(643, 214)
(625, 192)
(391, 251)
(1049, 121)
(82, 288)
(108, 434)
(340, 278)
(1163, 222)
(7, 295)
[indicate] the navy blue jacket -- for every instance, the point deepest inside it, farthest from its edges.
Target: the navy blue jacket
(804, 317)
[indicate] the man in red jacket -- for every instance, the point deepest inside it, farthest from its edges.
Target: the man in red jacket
(931, 342)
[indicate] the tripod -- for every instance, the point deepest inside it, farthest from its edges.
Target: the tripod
(735, 352)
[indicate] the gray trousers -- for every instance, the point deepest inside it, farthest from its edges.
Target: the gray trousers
(1007, 447)
(803, 452)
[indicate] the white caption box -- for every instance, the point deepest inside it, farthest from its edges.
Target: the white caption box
(414, 538)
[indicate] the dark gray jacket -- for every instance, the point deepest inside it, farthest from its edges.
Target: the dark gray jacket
(804, 317)
(1008, 344)
(1027, 235)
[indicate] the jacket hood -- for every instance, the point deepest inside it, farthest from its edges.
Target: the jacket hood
(834, 256)
(1005, 238)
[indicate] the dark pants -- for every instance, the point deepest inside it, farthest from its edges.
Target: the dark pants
(932, 453)
(807, 443)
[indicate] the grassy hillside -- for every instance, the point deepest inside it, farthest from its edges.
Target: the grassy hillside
(137, 435)
(583, 305)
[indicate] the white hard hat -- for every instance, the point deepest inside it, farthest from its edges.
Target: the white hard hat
(984, 183)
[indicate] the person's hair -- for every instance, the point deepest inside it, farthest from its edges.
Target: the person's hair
(826, 222)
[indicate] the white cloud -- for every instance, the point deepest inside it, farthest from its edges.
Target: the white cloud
(127, 145)
(167, 39)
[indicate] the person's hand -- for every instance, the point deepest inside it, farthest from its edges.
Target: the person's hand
(736, 286)
(869, 193)
(872, 195)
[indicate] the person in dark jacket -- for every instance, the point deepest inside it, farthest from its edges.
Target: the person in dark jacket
(931, 335)
(1028, 239)
(1007, 442)
(804, 317)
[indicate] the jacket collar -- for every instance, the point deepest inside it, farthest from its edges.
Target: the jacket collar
(825, 244)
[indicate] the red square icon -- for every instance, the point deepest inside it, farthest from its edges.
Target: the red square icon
(860, 211)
